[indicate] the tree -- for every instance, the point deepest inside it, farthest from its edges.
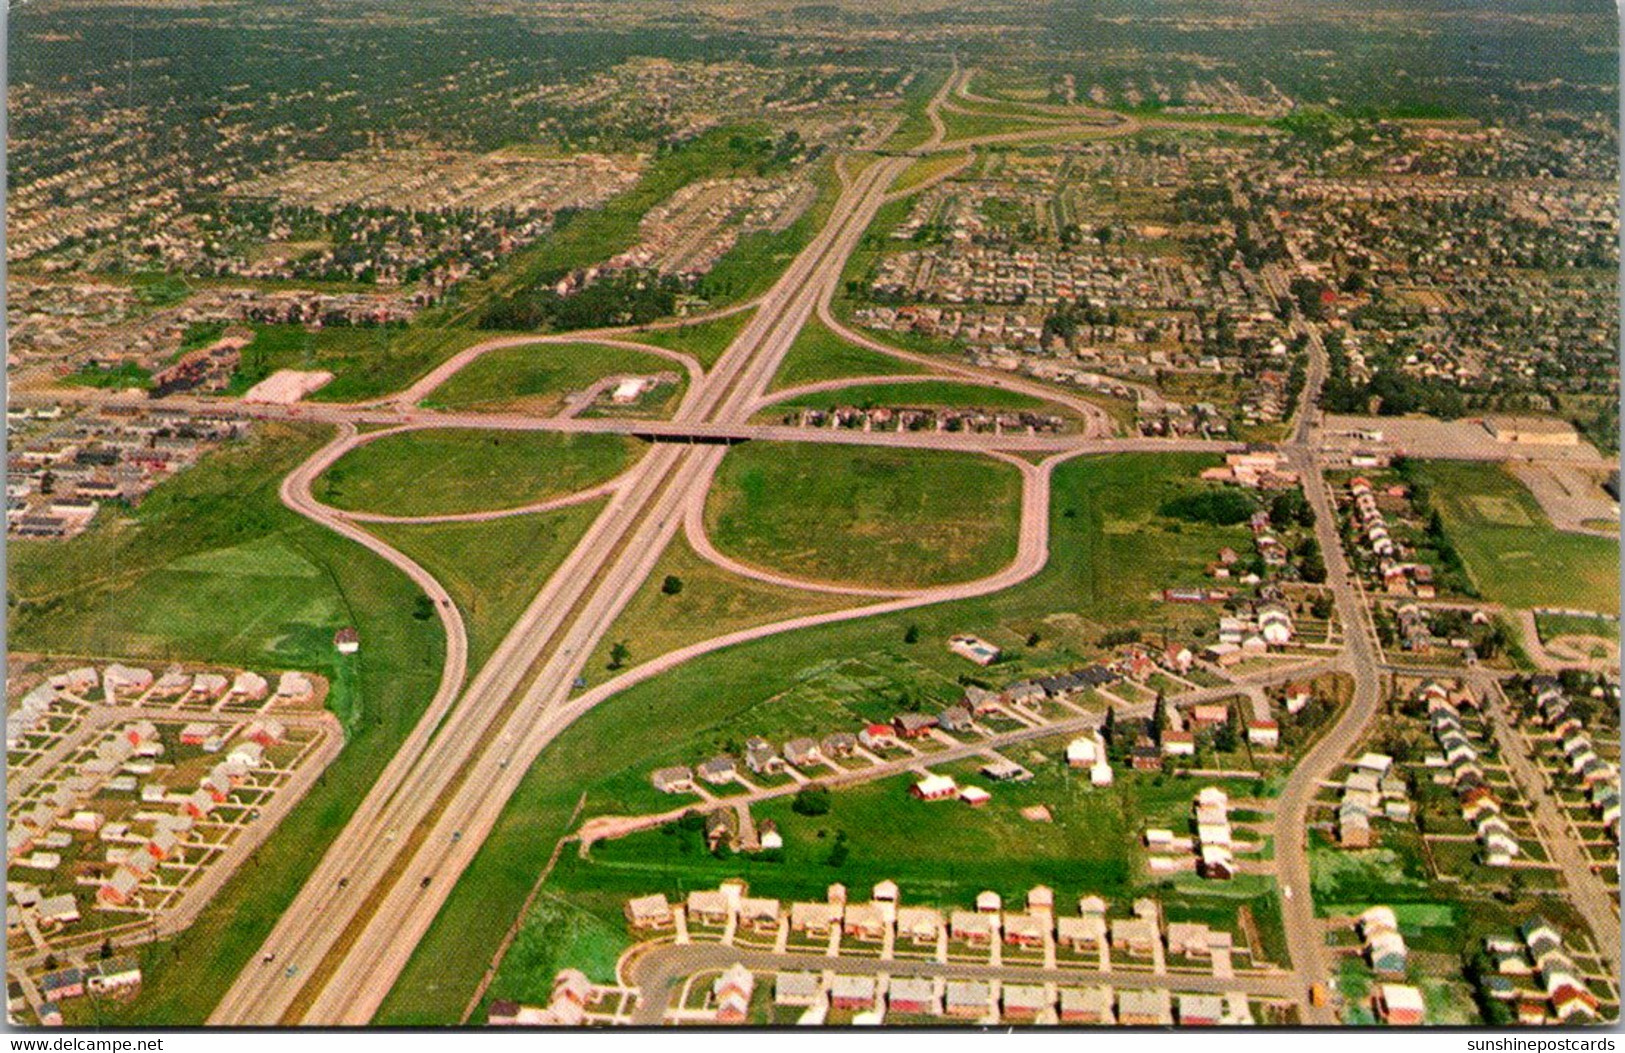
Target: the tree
(672, 585)
(1159, 717)
(839, 851)
(619, 652)
(911, 634)
(1227, 736)
(811, 799)
(1032, 639)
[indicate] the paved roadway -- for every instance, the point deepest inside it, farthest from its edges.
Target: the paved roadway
(1305, 941)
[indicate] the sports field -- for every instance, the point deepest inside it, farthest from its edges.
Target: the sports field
(1512, 551)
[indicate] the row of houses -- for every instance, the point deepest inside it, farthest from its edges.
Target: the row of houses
(1479, 806)
(883, 915)
(1534, 972)
(1382, 945)
(762, 758)
(924, 996)
(1373, 789)
(1399, 577)
(116, 977)
(62, 465)
(1213, 842)
(1598, 778)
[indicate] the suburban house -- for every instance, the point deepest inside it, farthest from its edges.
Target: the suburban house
(913, 995)
(797, 989)
(974, 649)
(1399, 1004)
(1087, 1005)
(676, 779)
(967, 998)
(854, 993)
(935, 788)
(649, 912)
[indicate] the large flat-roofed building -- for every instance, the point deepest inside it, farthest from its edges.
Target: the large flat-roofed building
(1532, 431)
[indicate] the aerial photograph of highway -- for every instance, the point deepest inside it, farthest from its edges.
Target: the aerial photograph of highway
(738, 514)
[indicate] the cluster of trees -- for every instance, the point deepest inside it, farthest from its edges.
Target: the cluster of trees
(1219, 507)
(632, 298)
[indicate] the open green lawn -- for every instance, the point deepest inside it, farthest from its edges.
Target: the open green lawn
(120, 377)
(818, 354)
(932, 394)
(212, 568)
(1554, 625)
(1109, 551)
(1512, 551)
(865, 515)
(366, 363)
(452, 470)
(535, 378)
(710, 602)
(705, 340)
(493, 569)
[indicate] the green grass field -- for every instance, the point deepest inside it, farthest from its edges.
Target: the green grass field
(451, 470)
(1109, 551)
(712, 602)
(492, 569)
(986, 122)
(818, 354)
(212, 568)
(1512, 551)
(867, 516)
(535, 378)
(706, 340)
(366, 363)
(1554, 625)
(931, 394)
